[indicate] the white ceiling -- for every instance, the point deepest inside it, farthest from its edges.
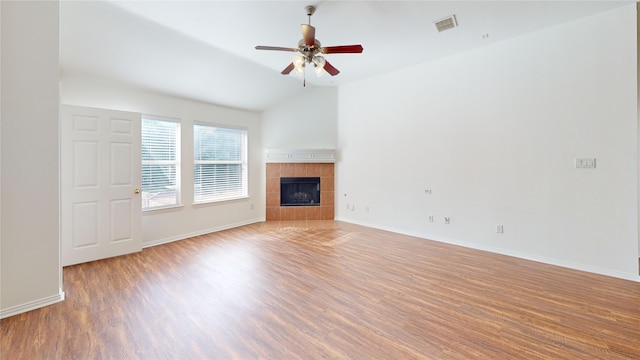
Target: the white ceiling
(204, 50)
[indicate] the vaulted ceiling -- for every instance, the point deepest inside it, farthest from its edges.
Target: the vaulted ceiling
(205, 50)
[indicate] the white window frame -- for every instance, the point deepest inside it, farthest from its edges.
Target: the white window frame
(176, 163)
(234, 195)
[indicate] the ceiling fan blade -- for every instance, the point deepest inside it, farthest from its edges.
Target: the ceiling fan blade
(308, 34)
(277, 48)
(330, 69)
(288, 69)
(343, 49)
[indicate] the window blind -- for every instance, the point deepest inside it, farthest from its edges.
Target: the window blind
(219, 163)
(160, 163)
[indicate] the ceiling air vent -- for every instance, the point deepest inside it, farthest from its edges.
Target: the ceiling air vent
(446, 23)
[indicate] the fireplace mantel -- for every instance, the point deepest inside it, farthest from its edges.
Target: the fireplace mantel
(300, 156)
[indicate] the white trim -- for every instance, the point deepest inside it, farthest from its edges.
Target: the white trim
(220, 200)
(507, 252)
(198, 233)
(32, 305)
(220, 125)
(300, 156)
(158, 210)
(161, 118)
(60, 271)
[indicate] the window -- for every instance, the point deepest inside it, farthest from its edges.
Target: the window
(220, 159)
(160, 163)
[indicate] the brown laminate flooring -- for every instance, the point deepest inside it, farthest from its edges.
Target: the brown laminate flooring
(327, 290)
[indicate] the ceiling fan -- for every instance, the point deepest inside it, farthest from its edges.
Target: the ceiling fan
(309, 49)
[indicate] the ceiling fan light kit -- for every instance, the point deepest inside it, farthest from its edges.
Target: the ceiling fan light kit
(309, 49)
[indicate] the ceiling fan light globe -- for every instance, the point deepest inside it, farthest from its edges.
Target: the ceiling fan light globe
(318, 62)
(298, 63)
(298, 60)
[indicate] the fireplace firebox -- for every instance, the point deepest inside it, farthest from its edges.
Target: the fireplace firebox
(299, 191)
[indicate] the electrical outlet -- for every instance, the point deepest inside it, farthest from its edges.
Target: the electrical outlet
(427, 191)
(585, 163)
(430, 218)
(499, 229)
(447, 220)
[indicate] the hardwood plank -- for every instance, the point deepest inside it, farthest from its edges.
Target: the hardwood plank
(324, 289)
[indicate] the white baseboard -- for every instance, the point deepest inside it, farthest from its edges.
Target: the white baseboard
(502, 251)
(32, 305)
(200, 232)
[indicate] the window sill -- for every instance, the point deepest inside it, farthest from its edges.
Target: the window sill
(161, 210)
(221, 201)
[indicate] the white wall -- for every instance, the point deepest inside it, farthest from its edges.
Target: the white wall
(308, 121)
(494, 133)
(190, 220)
(30, 255)
(638, 93)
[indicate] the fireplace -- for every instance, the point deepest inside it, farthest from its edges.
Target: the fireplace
(299, 191)
(320, 210)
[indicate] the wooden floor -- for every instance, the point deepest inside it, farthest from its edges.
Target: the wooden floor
(327, 290)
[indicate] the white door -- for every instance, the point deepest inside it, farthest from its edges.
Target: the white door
(100, 180)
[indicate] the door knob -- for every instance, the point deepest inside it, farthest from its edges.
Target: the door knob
(136, 191)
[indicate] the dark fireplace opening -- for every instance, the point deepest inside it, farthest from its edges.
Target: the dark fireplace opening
(300, 191)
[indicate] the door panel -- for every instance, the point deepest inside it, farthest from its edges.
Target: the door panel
(121, 214)
(100, 172)
(121, 164)
(85, 224)
(85, 164)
